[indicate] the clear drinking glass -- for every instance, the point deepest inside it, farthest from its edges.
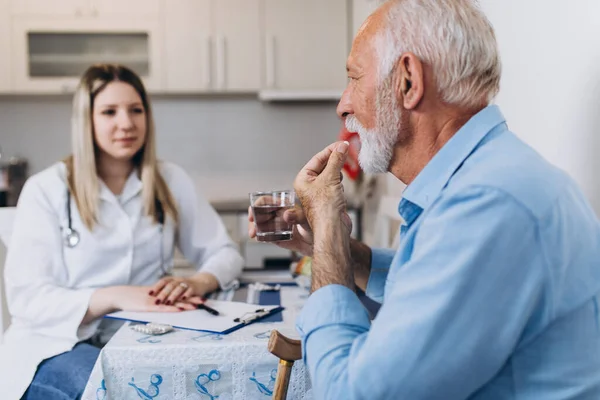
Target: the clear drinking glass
(268, 209)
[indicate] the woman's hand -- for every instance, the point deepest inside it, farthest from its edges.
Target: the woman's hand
(131, 298)
(172, 290)
(136, 298)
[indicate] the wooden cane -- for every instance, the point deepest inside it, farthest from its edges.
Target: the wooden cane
(288, 351)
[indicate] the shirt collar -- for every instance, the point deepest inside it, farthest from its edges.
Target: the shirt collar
(436, 174)
(133, 186)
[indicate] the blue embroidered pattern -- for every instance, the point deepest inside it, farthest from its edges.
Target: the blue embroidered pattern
(146, 339)
(211, 336)
(263, 335)
(152, 391)
(101, 391)
(203, 379)
(267, 389)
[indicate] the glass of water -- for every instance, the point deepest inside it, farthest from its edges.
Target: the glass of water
(268, 209)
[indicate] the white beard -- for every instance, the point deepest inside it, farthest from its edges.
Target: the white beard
(377, 145)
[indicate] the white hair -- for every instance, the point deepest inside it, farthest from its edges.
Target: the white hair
(377, 145)
(454, 37)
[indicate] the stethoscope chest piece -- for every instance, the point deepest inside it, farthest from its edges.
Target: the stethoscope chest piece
(71, 238)
(71, 235)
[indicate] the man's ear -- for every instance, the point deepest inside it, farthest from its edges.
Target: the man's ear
(409, 80)
(406, 85)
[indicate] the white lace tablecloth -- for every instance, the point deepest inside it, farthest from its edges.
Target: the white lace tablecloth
(186, 365)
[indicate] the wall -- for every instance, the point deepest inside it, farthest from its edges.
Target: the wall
(550, 90)
(231, 145)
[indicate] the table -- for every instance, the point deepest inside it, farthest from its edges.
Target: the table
(186, 365)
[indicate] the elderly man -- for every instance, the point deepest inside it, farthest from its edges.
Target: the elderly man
(494, 290)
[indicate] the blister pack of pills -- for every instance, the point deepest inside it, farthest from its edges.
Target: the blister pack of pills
(152, 328)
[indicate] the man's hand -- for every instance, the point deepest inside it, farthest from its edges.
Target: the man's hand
(319, 188)
(302, 238)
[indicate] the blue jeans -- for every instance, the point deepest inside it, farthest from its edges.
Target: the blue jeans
(63, 377)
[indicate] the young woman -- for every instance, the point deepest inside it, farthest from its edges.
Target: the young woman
(95, 234)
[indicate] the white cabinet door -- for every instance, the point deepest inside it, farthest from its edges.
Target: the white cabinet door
(50, 7)
(4, 47)
(306, 44)
(127, 8)
(86, 8)
(188, 42)
(49, 55)
(237, 58)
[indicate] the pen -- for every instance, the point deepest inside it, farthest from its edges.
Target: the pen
(207, 308)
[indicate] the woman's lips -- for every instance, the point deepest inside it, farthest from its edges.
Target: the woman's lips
(126, 140)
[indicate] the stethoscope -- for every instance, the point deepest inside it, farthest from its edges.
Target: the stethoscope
(72, 237)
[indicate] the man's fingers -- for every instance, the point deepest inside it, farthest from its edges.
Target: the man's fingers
(317, 164)
(336, 161)
(294, 215)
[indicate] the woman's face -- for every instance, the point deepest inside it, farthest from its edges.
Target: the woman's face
(119, 121)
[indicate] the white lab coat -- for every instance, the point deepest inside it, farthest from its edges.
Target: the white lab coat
(48, 285)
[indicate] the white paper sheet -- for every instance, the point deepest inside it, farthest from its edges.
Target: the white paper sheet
(200, 320)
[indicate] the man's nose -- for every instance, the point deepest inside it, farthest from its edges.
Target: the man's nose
(344, 107)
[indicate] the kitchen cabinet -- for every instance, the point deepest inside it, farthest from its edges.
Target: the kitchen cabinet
(286, 49)
(187, 51)
(128, 8)
(306, 44)
(237, 34)
(49, 55)
(5, 59)
(213, 46)
(49, 8)
(85, 8)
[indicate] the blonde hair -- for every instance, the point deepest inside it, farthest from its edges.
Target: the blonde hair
(82, 175)
(454, 37)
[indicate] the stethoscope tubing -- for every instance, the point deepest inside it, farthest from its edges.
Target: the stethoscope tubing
(72, 237)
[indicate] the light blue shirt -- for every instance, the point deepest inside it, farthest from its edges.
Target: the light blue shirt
(492, 294)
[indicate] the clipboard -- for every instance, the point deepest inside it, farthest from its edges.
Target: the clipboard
(232, 316)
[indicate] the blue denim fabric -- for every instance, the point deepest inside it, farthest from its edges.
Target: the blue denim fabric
(63, 377)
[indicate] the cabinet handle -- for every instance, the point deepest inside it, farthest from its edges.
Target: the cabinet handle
(221, 50)
(271, 44)
(207, 63)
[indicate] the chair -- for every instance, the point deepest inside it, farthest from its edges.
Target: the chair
(7, 216)
(288, 351)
